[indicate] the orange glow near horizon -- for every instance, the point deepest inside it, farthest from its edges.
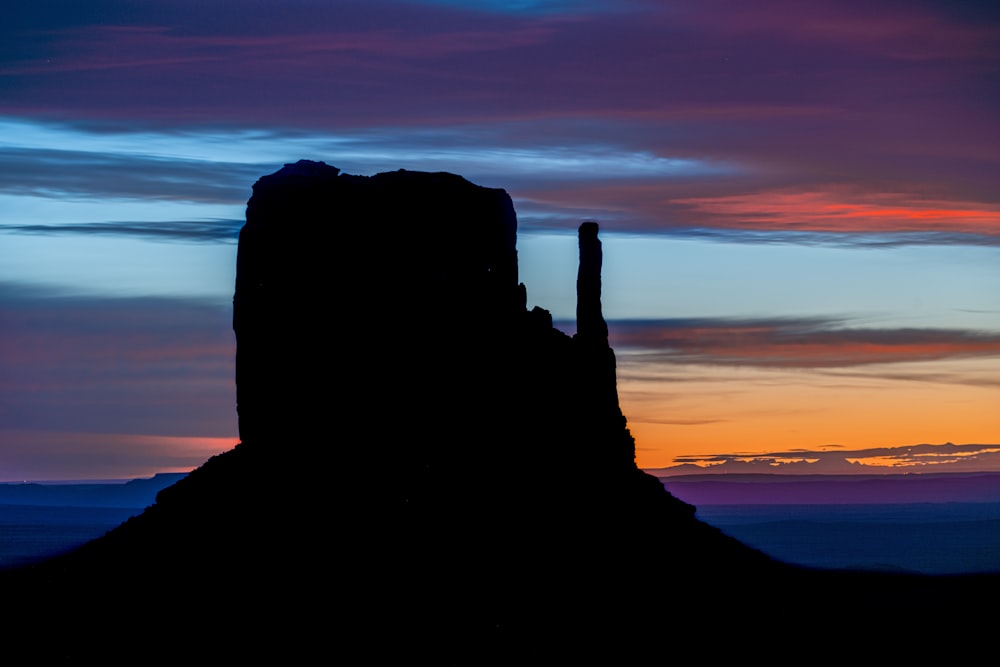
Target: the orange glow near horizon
(676, 410)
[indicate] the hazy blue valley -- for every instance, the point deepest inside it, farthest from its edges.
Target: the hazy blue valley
(948, 537)
(931, 538)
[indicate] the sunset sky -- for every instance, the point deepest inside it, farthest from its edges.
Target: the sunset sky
(798, 201)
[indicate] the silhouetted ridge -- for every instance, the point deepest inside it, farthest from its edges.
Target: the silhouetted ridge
(428, 471)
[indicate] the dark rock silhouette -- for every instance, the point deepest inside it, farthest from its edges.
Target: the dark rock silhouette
(590, 322)
(427, 471)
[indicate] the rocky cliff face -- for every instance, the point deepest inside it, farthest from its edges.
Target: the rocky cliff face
(380, 319)
(340, 277)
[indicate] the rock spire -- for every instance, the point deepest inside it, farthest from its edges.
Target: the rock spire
(590, 324)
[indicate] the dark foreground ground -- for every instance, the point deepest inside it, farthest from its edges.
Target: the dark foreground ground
(257, 587)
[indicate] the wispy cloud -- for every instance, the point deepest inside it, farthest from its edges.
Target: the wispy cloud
(880, 213)
(793, 342)
(732, 198)
(128, 365)
(626, 188)
(923, 458)
(211, 231)
(107, 174)
(860, 240)
(43, 455)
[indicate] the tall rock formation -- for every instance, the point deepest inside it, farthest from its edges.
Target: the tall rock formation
(333, 267)
(611, 442)
(590, 324)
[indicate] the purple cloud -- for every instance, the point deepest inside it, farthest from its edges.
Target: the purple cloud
(128, 365)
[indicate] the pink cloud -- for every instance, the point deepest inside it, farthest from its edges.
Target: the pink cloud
(837, 210)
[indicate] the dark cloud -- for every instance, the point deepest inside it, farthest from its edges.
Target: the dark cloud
(110, 175)
(793, 342)
(213, 231)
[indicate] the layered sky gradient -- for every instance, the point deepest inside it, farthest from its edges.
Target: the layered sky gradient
(798, 200)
